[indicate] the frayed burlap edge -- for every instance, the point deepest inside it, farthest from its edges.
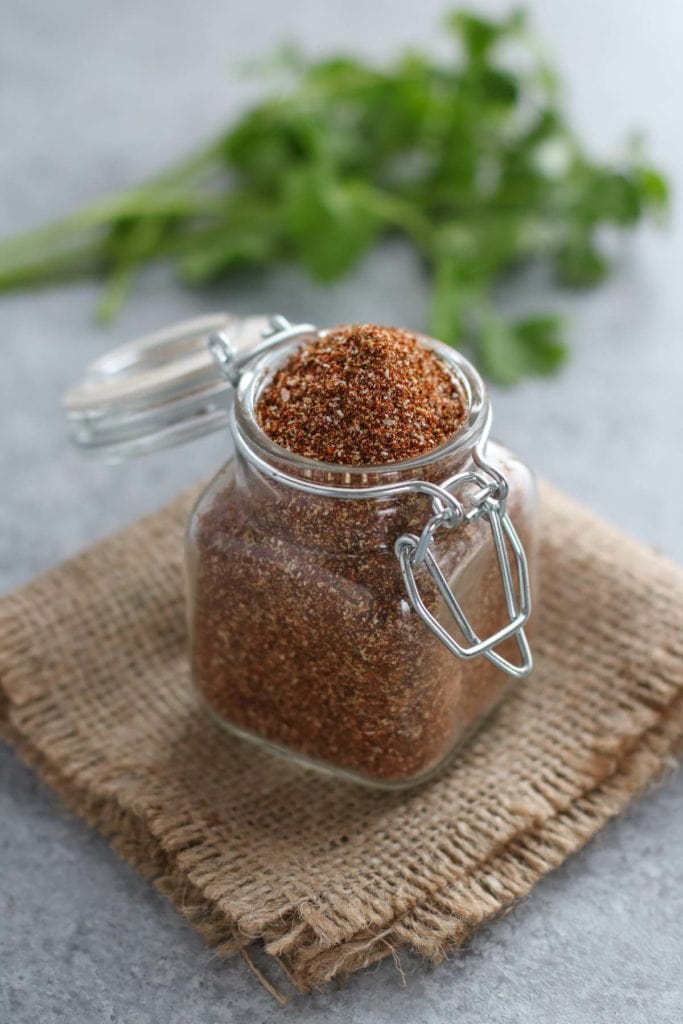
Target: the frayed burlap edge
(163, 850)
(434, 927)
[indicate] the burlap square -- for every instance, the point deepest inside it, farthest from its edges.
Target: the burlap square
(95, 694)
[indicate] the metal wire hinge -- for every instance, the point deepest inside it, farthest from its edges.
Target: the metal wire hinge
(488, 502)
(231, 363)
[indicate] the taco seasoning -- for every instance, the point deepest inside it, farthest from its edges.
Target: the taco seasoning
(358, 588)
(362, 396)
(305, 635)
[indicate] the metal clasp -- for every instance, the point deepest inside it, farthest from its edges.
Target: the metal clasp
(231, 363)
(487, 503)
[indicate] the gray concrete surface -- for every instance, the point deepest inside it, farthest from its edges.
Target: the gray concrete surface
(93, 97)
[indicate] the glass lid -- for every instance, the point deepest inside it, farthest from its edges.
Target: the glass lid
(168, 387)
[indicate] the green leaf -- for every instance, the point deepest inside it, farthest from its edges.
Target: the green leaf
(579, 264)
(479, 35)
(501, 357)
(540, 338)
(457, 288)
(225, 252)
(328, 223)
(246, 235)
(509, 352)
(653, 187)
(271, 139)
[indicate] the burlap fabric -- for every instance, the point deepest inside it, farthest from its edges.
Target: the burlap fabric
(327, 876)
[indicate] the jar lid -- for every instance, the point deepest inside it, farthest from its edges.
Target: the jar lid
(167, 387)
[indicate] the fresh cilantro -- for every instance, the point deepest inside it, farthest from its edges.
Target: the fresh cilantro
(472, 160)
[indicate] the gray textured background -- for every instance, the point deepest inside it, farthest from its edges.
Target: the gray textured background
(95, 95)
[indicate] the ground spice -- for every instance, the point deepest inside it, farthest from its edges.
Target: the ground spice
(302, 634)
(362, 395)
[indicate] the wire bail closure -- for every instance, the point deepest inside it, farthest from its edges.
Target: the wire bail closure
(488, 503)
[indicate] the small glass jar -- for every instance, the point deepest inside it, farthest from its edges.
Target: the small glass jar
(362, 620)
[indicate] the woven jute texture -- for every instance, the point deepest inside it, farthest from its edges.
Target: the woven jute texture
(326, 875)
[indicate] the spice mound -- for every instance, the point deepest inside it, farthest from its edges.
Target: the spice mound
(362, 395)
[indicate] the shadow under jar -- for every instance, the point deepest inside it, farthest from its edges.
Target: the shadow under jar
(325, 601)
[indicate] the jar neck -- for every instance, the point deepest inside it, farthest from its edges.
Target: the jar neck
(287, 467)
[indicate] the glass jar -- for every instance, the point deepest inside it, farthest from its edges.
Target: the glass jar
(362, 620)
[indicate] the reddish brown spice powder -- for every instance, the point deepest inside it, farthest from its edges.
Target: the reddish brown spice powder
(302, 634)
(362, 395)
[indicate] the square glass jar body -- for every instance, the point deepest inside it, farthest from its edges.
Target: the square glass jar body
(302, 634)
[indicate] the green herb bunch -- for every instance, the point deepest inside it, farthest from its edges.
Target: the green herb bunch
(472, 160)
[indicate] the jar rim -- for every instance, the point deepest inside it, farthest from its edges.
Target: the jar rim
(254, 439)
